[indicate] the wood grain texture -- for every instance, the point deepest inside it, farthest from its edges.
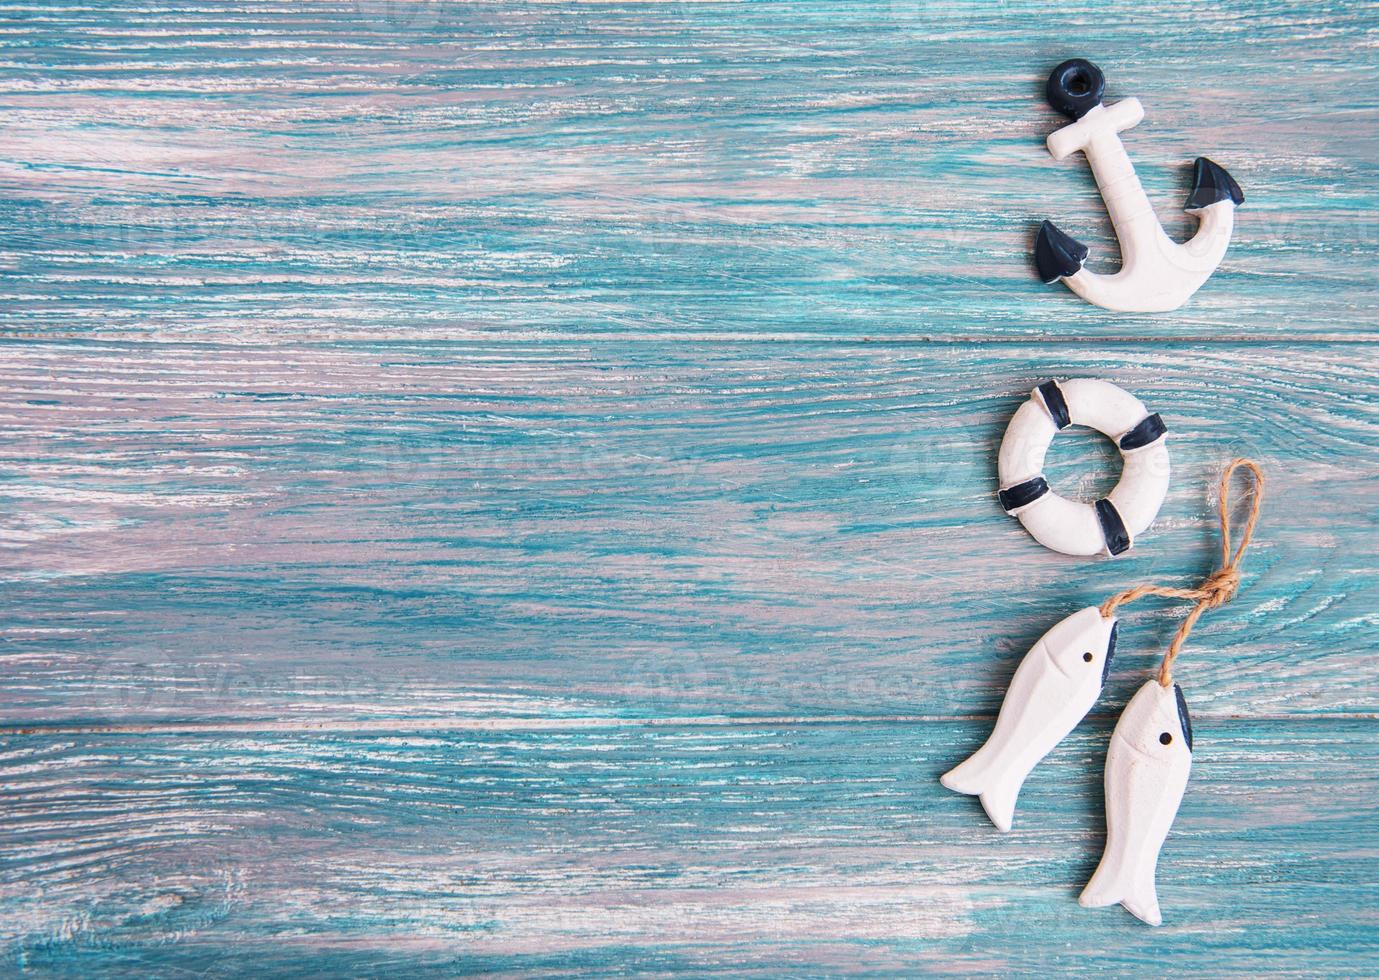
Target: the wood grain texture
(510, 487)
(822, 848)
(601, 530)
(410, 169)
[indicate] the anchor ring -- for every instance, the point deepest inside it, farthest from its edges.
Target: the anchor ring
(1075, 87)
(1108, 526)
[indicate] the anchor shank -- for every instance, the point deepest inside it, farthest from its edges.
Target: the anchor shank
(1097, 134)
(1126, 201)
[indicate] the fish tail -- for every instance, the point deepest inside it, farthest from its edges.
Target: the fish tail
(997, 790)
(1138, 893)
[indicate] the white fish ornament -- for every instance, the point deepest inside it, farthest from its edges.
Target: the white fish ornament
(1150, 756)
(1147, 767)
(1055, 685)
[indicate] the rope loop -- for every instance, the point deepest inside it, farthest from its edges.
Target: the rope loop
(1220, 586)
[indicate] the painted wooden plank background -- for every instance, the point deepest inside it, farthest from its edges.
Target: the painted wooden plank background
(413, 169)
(509, 487)
(731, 849)
(609, 530)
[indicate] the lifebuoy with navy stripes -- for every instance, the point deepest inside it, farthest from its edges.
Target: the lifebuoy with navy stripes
(1105, 527)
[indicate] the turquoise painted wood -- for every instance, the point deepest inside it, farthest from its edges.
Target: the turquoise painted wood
(719, 849)
(510, 488)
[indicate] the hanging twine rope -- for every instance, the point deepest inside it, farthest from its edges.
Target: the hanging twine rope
(1219, 587)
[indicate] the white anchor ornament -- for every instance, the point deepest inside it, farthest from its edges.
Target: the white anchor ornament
(1055, 685)
(1156, 274)
(1147, 768)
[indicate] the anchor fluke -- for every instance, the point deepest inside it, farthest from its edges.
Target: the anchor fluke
(1211, 184)
(1056, 254)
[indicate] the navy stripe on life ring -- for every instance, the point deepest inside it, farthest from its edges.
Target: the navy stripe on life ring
(1150, 430)
(1055, 403)
(1112, 527)
(1023, 494)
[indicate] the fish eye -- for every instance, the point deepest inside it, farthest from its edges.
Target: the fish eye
(1165, 738)
(1087, 656)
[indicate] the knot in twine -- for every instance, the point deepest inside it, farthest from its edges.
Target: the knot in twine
(1220, 586)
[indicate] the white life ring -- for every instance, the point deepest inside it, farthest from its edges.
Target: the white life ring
(1109, 526)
